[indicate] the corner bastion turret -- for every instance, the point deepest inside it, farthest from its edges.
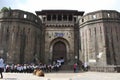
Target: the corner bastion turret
(19, 36)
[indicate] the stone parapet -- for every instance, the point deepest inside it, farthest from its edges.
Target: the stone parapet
(17, 15)
(105, 69)
(100, 15)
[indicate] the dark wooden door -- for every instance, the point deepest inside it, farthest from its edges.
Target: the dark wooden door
(59, 50)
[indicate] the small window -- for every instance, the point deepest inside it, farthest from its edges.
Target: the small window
(25, 15)
(94, 17)
(108, 15)
(82, 20)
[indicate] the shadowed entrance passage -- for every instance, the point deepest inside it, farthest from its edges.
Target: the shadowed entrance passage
(59, 50)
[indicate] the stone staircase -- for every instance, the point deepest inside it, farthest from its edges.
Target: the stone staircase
(66, 67)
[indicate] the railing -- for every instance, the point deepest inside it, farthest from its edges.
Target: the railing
(60, 22)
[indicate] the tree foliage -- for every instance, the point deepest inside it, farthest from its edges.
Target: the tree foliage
(5, 9)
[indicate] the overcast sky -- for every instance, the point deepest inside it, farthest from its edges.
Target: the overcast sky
(80, 5)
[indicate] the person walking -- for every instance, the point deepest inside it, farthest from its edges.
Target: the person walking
(1, 66)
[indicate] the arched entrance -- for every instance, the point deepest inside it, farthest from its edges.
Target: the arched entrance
(59, 50)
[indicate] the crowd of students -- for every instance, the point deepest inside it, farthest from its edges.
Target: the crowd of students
(29, 68)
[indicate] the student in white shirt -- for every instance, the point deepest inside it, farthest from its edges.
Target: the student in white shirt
(1, 66)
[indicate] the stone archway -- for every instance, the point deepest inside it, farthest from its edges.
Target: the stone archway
(59, 47)
(59, 50)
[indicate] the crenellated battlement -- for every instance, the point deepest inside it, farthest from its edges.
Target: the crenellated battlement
(19, 14)
(100, 15)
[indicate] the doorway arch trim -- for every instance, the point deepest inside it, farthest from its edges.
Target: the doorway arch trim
(62, 40)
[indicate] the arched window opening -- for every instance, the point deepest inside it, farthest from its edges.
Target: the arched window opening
(59, 17)
(48, 17)
(70, 18)
(65, 17)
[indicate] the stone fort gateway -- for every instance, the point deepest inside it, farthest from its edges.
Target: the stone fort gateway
(48, 35)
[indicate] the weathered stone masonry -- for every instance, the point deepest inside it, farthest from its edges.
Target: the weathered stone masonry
(61, 32)
(20, 36)
(100, 39)
(51, 34)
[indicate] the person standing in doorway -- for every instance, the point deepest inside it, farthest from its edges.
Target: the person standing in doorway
(1, 66)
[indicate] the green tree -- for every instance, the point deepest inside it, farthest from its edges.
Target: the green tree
(5, 9)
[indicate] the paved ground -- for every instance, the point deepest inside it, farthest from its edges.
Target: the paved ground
(63, 75)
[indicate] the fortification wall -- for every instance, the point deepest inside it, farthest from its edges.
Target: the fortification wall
(19, 36)
(99, 33)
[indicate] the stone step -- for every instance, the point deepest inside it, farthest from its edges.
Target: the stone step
(67, 67)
